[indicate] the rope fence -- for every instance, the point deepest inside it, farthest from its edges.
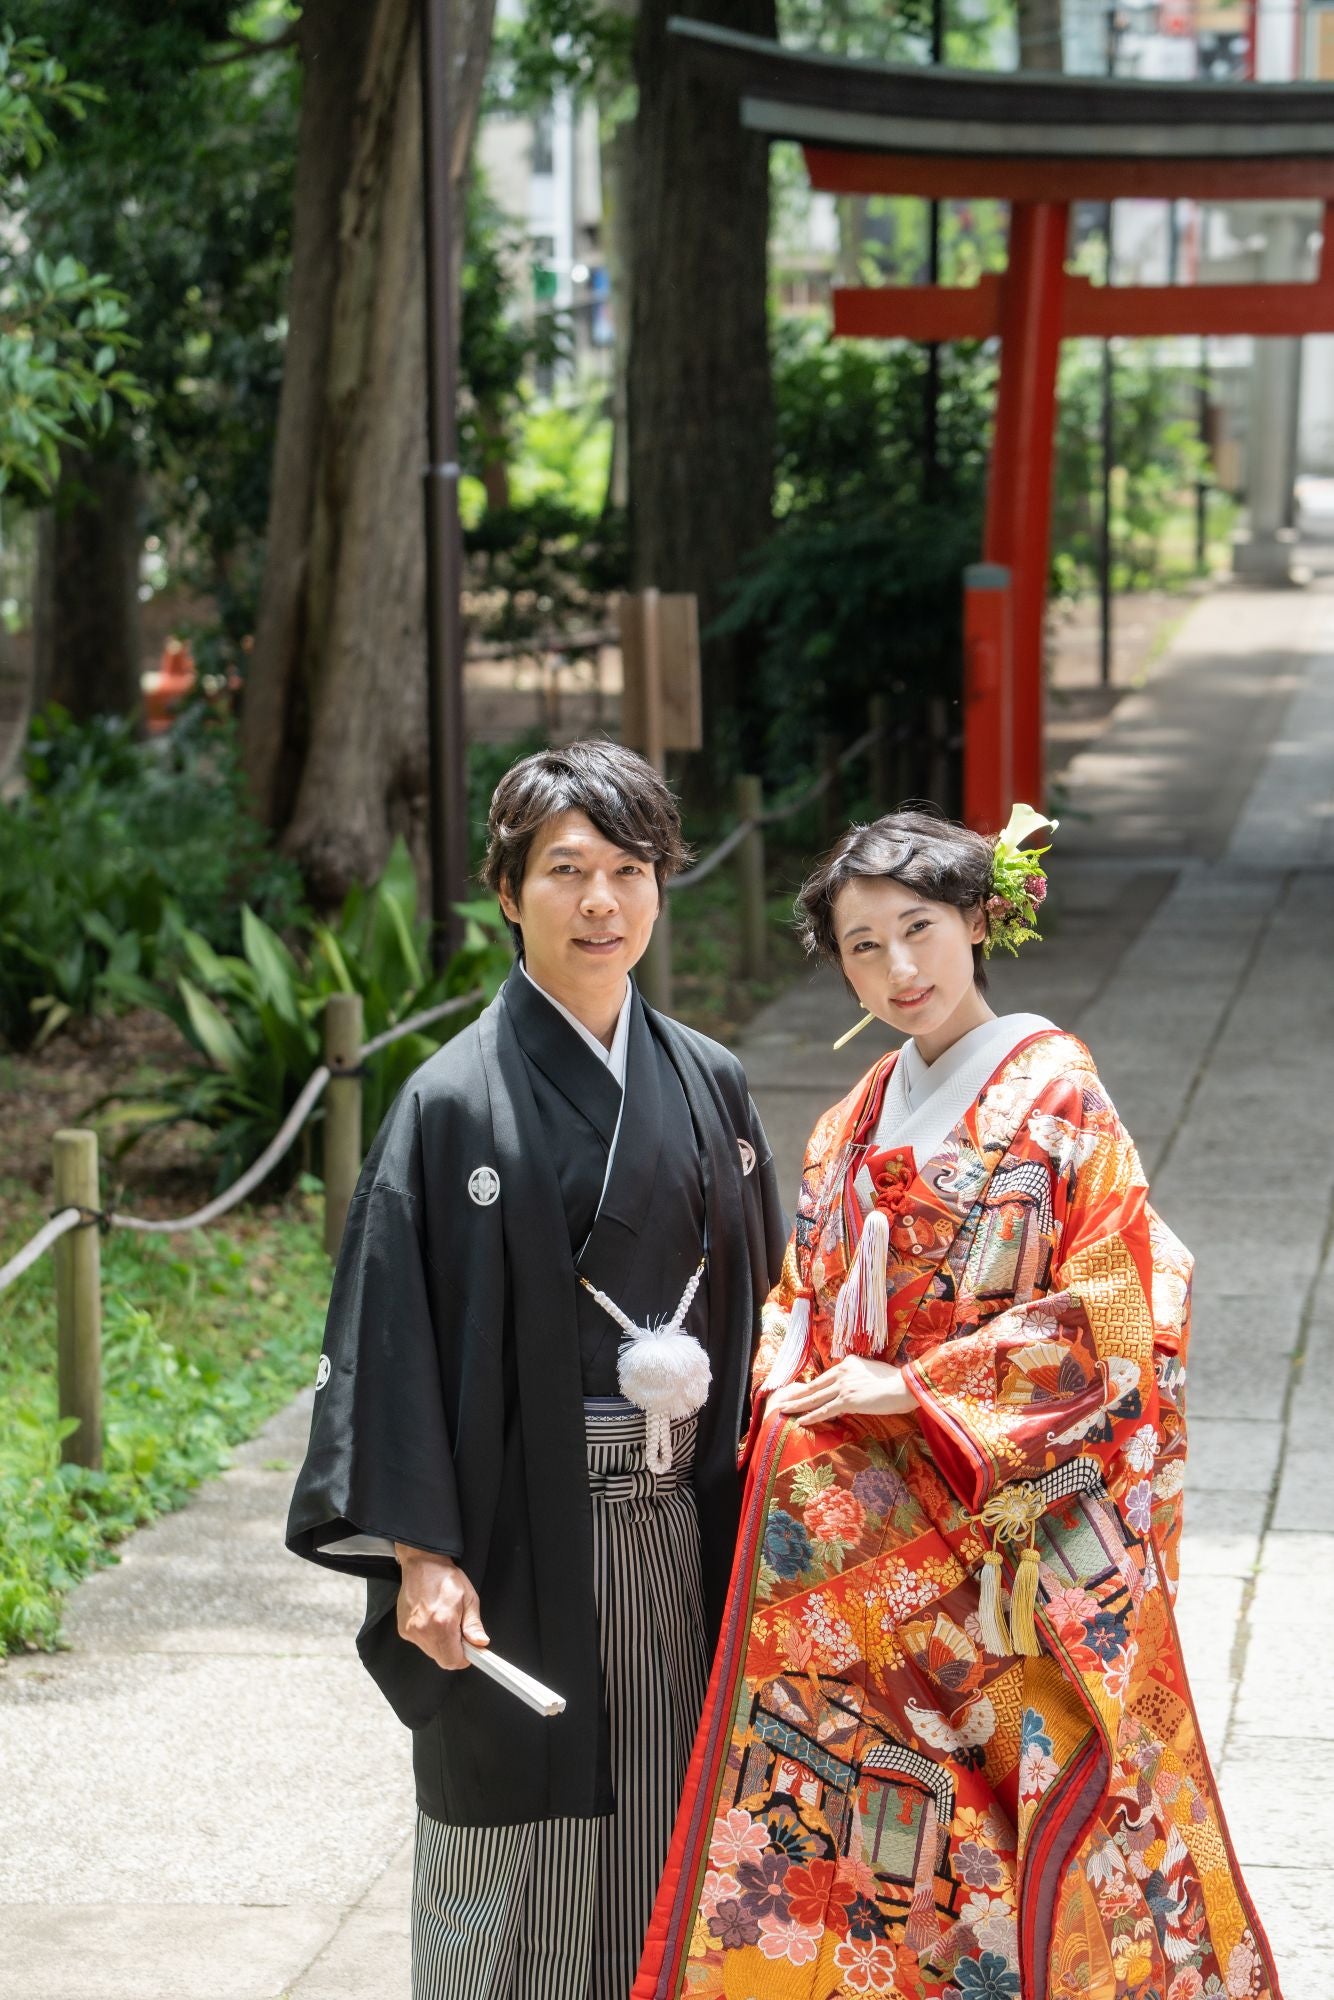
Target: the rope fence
(283, 1140)
(74, 1230)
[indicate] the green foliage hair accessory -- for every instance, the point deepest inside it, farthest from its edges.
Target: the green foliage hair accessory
(1018, 882)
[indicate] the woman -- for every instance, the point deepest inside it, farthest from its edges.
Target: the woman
(949, 1751)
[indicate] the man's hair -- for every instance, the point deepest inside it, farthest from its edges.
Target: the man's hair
(618, 790)
(929, 854)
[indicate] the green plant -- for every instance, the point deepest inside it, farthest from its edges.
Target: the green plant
(63, 329)
(500, 343)
(255, 1018)
(204, 1337)
(544, 565)
(1159, 459)
(116, 847)
(564, 454)
(859, 588)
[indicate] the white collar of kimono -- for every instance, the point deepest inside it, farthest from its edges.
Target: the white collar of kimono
(614, 1057)
(924, 1102)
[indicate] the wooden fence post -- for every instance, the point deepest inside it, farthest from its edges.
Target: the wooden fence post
(653, 974)
(882, 754)
(830, 805)
(342, 1111)
(78, 1261)
(750, 878)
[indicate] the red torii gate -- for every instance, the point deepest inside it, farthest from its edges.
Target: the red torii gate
(1038, 143)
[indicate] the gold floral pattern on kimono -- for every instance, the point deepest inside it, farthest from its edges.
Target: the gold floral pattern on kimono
(879, 1804)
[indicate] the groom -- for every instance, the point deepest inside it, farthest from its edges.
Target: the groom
(572, 1163)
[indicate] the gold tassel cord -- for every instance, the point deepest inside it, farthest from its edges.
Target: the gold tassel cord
(1010, 1513)
(1024, 1603)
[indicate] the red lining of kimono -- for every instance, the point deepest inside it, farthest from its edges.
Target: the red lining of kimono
(686, 1860)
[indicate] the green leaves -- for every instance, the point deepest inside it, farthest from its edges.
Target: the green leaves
(202, 1342)
(116, 849)
(255, 1020)
(63, 328)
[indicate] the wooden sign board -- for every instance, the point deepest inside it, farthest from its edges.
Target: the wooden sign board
(662, 706)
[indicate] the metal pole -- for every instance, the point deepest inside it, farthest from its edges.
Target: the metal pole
(655, 967)
(1202, 483)
(1108, 437)
(444, 543)
(931, 441)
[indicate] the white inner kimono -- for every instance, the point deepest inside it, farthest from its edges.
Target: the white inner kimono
(923, 1101)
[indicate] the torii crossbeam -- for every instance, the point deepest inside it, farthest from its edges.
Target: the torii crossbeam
(1038, 143)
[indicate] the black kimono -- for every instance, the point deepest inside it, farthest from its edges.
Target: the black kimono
(460, 1351)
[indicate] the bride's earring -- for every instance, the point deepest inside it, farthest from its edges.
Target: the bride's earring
(865, 1022)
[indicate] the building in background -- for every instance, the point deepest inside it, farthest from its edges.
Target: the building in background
(545, 172)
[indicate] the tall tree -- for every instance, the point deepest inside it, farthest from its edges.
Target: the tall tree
(334, 730)
(700, 399)
(171, 183)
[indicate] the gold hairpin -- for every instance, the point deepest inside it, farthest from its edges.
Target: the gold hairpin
(865, 1022)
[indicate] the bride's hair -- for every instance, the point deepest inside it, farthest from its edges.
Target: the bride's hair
(917, 846)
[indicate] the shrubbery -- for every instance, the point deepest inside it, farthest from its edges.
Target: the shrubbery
(133, 874)
(233, 1331)
(858, 591)
(116, 847)
(255, 1019)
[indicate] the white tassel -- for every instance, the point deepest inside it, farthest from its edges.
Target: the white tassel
(658, 1445)
(663, 1371)
(862, 1309)
(995, 1632)
(791, 1355)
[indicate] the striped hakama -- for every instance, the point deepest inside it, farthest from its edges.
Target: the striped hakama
(558, 1910)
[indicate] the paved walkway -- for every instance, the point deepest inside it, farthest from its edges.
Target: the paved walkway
(205, 1799)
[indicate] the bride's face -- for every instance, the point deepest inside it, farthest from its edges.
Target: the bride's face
(910, 960)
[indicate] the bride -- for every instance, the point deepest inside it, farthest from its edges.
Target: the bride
(949, 1750)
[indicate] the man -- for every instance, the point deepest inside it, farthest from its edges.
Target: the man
(571, 1166)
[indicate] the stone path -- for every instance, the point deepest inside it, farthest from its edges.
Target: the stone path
(205, 1799)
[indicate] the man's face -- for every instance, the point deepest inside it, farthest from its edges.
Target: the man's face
(587, 909)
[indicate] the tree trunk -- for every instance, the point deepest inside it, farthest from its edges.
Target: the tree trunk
(1040, 35)
(618, 167)
(617, 164)
(86, 632)
(700, 397)
(334, 730)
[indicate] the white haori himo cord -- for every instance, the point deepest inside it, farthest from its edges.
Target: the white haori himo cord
(862, 1308)
(662, 1371)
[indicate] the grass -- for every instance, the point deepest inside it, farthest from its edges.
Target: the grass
(204, 1337)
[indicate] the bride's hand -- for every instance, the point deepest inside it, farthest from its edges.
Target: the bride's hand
(853, 1387)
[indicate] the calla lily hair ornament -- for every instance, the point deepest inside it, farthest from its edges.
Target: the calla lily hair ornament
(1018, 882)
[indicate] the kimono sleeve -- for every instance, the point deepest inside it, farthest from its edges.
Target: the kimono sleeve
(379, 1461)
(1071, 1372)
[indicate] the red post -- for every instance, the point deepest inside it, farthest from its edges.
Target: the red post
(1018, 529)
(988, 790)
